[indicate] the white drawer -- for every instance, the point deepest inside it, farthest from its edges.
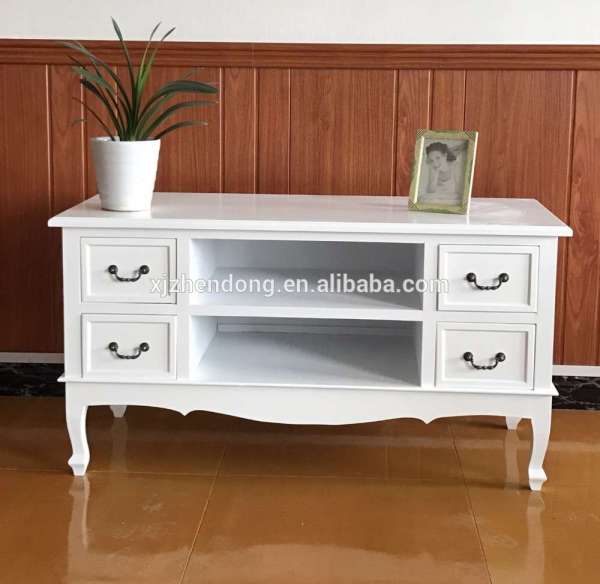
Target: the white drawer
(129, 332)
(132, 257)
(485, 341)
(487, 263)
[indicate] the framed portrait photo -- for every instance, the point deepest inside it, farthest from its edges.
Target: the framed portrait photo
(442, 176)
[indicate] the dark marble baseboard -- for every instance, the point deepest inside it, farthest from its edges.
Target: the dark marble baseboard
(577, 393)
(31, 379)
(39, 379)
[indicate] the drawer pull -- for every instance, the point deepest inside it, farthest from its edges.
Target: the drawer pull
(499, 357)
(502, 279)
(142, 271)
(114, 348)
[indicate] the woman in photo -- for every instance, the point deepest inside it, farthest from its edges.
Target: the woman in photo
(444, 172)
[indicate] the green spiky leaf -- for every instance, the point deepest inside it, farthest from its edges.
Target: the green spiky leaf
(98, 118)
(132, 113)
(166, 114)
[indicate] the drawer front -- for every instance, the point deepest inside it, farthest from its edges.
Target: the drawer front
(113, 346)
(127, 281)
(485, 342)
(518, 293)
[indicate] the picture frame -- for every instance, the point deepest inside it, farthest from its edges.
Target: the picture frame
(442, 174)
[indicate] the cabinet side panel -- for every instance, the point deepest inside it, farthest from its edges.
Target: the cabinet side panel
(72, 302)
(544, 338)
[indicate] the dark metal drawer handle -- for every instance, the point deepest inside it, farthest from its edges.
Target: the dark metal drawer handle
(141, 271)
(502, 279)
(114, 348)
(499, 358)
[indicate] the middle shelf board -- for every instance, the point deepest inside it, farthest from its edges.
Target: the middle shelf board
(308, 293)
(310, 358)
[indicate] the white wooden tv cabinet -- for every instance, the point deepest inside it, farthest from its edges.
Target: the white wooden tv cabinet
(298, 353)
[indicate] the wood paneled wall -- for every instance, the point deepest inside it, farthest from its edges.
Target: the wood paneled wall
(337, 119)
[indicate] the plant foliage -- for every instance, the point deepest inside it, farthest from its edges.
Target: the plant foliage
(132, 114)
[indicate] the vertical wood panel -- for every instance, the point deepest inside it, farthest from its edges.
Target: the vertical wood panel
(273, 130)
(448, 100)
(524, 120)
(583, 293)
(414, 112)
(190, 158)
(341, 132)
(68, 160)
(25, 312)
(239, 130)
(68, 175)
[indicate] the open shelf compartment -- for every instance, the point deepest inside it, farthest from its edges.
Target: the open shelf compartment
(305, 278)
(283, 352)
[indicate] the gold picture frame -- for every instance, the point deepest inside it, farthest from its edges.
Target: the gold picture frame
(458, 182)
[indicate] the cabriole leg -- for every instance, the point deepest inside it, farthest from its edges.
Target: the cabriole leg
(76, 412)
(512, 423)
(118, 411)
(540, 423)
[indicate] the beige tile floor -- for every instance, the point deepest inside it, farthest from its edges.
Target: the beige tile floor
(211, 499)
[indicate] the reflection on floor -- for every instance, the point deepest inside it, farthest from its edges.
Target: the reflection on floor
(209, 498)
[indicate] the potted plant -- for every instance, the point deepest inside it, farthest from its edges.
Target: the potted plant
(126, 159)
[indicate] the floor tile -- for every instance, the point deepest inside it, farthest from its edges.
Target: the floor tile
(276, 449)
(106, 527)
(334, 530)
(396, 449)
(423, 451)
(156, 440)
(574, 452)
(539, 538)
(34, 436)
(492, 455)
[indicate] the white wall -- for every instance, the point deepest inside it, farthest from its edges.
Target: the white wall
(357, 21)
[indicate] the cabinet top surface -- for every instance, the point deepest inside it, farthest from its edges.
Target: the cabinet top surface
(318, 213)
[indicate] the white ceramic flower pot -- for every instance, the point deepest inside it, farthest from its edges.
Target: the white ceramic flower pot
(125, 173)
